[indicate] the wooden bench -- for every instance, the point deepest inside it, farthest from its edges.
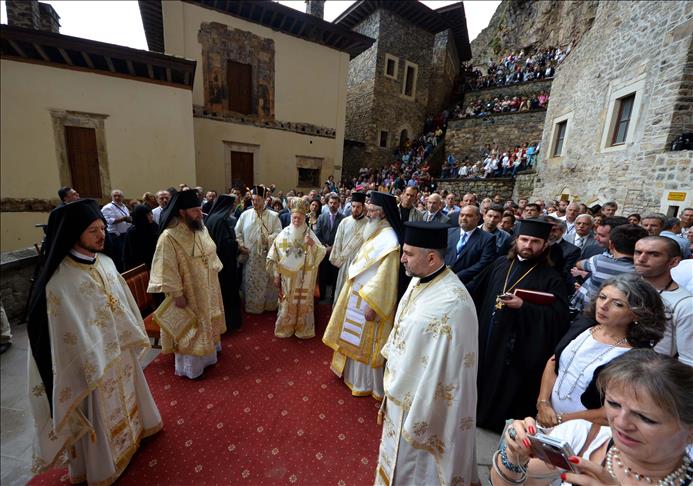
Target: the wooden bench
(138, 280)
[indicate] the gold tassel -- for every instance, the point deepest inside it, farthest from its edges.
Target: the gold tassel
(381, 412)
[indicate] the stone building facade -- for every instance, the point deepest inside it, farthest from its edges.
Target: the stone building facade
(406, 75)
(617, 103)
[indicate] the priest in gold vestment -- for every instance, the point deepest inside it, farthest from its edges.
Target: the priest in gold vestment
(256, 229)
(185, 268)
(362, 316)
(87, 392)
(293, 261)
(429, 409)
(348, 239)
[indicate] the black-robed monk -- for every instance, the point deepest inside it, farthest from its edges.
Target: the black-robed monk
(140, 240)
(516, 337)
(220, 224)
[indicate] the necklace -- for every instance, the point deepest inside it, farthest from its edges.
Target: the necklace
(671, 281)
(559, 386)
(683, 473)
(499, 302)
(203, 257)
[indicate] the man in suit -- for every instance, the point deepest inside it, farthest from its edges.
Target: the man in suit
(326, 231)
(491, 220)
(582, 237)
(564, 255)
(470, 249)
(435, 213)
(407, 205)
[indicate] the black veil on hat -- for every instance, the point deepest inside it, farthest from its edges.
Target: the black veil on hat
(65, 226)
(222, 203)
(218, 216)
(180, 200)
(259, 190)
(389, 205)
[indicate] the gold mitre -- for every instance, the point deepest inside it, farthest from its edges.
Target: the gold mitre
(299, 205)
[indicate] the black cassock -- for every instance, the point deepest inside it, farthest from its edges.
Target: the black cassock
(221, 229)
(514, 344)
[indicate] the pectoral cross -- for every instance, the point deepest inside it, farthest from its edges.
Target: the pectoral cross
(112, 303)
(499, 303)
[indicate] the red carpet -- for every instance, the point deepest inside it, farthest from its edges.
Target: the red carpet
(269, 412)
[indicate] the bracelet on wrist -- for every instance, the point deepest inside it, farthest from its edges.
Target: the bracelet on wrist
(560, 419)
(516, 468)
(501, 475)
(541, 402)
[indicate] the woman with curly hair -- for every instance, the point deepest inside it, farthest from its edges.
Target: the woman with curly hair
(626, 313)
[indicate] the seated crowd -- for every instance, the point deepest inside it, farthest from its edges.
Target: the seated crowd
(515, 68)
(482, 107)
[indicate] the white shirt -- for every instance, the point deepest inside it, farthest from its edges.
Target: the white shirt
(111, 212)
(156, 213)
(678, 335)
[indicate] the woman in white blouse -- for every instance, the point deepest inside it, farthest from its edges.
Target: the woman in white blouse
(626, 313)
(648, 401)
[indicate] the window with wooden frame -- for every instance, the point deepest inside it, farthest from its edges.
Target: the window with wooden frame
(623, 118)
(560, 132)
(382, 142)
(391, 66)
(83, 160)
(411, 71)
(240, 85)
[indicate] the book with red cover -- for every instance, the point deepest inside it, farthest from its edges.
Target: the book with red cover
(535, 297)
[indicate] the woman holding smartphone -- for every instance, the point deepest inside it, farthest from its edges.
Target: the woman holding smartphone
(626, 313)
(649, 408)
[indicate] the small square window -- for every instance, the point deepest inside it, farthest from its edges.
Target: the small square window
(622, 122)
(308, 177)
(560, 137)
(383, 139)
(409, 81)
(390, 67)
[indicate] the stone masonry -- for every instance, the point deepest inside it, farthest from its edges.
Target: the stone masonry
(466, 138)
(644, 44)
(481, 187)
(17, 268)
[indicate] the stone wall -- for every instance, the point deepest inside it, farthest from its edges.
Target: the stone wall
(23, 13)
(524, 184)
(481, 187)
(643, 46)
(444, 70)
(466, 138)
(521, 89)
(17, 269)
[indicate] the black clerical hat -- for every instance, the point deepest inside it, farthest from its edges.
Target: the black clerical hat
(535, 227)
(187, 200)
(595, 209)
(426, 235)
(358, 197)
(382, 199)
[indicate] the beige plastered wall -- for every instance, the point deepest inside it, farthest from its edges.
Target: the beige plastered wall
(148, 136)
(310, 87)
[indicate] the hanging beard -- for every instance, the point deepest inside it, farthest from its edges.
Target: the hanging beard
(193, 224)
(371, 227)
(298, 233)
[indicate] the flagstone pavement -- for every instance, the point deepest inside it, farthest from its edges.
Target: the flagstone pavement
(16, 423)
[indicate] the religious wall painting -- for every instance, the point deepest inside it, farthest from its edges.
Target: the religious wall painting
(238, 72)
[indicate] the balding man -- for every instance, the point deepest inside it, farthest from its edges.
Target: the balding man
(582, 237)
(162, 197)
(435, 213)
(470, 249)
(117, 216)
(571, 214)
(468, 198)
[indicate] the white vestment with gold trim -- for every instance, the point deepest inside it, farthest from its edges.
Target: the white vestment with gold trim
(371, 283)
(297, 264)
(102, 406)
(429, 434)
(256, 231)
(347, 241)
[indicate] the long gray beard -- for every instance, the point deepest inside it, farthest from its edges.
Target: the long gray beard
(297, 233)
(371, 227)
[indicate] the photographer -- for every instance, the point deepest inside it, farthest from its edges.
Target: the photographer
(648, 400)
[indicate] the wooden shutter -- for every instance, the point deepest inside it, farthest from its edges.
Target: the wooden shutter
(83, 157)
(241, 169)
(240, 84)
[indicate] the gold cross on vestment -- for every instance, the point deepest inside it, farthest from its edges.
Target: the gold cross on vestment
(112, 303)
(367, 251)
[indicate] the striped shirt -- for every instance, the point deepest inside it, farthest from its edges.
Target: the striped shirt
(602, 267)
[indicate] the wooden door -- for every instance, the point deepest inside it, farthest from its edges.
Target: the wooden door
(241, 169)
(240, 79)
(83, 158)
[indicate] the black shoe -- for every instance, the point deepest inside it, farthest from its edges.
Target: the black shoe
(4, 347)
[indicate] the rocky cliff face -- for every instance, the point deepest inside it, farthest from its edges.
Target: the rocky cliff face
(529, 24)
